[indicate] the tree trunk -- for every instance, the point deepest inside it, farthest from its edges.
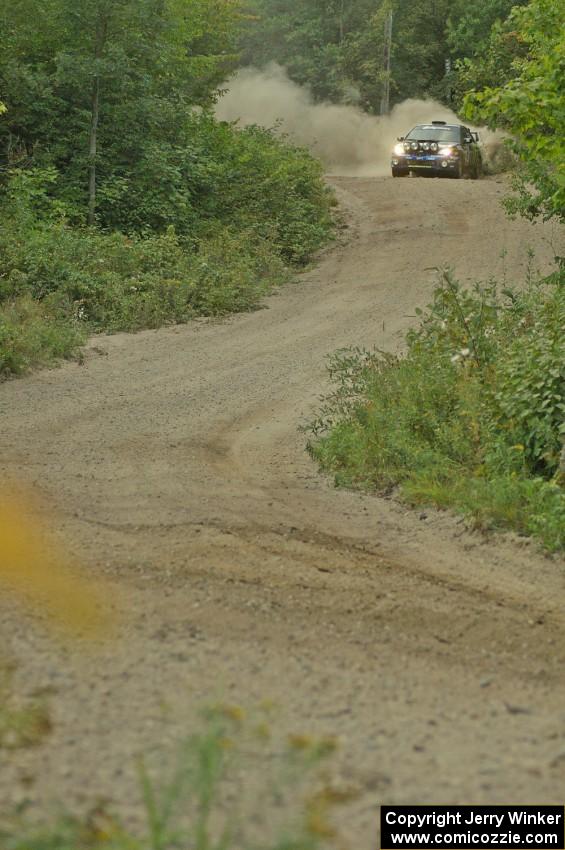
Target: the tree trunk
(92, 149)
(101, 31)
(560, 477)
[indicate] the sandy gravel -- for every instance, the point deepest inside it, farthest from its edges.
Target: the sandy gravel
(174, 467)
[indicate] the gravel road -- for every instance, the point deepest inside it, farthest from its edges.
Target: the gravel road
(174, 468)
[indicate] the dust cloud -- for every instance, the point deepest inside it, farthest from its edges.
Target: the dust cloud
(349, 141)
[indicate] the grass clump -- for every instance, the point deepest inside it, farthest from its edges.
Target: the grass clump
(23, 723)
(202, 803)
(58, 284)
(471, 417)
(31, 334)
(111, 282)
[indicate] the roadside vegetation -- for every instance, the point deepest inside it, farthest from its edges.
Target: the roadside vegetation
(517, 86)
(123, 203)
(471, 417)
(199, 802)
(23, 723)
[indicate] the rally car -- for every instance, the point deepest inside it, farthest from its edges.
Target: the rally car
(438, 149)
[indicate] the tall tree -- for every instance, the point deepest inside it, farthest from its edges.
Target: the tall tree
(310, 38)
(469, 24)
(529, 103)
(104, 83)
(336, 47)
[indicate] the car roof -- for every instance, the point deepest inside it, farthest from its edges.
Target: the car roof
(433, 124)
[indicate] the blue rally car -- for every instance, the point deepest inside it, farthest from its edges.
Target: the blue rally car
(438, 149)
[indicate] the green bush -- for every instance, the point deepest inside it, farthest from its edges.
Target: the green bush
(60, 283)
(248, 179)
(232, 271)
(114, 282)
(32, 335)
(522, 93)
(244, 206)
(57, 282)
(278, 188)
(242, 179)
(472, 416)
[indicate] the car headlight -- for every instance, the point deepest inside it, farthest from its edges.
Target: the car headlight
(399, 150)
(447, 151)
(414, 146)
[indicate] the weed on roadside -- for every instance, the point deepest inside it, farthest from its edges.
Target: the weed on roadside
(23, 723)
(471, 417)
(224, 791)
(32, 334)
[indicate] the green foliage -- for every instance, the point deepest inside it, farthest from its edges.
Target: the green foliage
(530, 105)
(470, 24)
(161, 160)
(244, 206)
(309, 38)
(244, 179)
(58, 282)
(484, 45)
(232, 271)
(150, 63)
(31, 335)
(113, 282)
(530, 388)
(420, 49)
(23, 723)
(107, 121)
(278, 190)
(471, 417)
(337, 48)
(530, 506)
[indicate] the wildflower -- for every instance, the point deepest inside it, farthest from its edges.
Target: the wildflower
(233, 712)
(300, 742)
(35, 567)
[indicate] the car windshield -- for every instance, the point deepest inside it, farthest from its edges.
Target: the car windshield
(434, 133)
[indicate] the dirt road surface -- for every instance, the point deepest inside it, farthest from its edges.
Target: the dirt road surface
(174, 466)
